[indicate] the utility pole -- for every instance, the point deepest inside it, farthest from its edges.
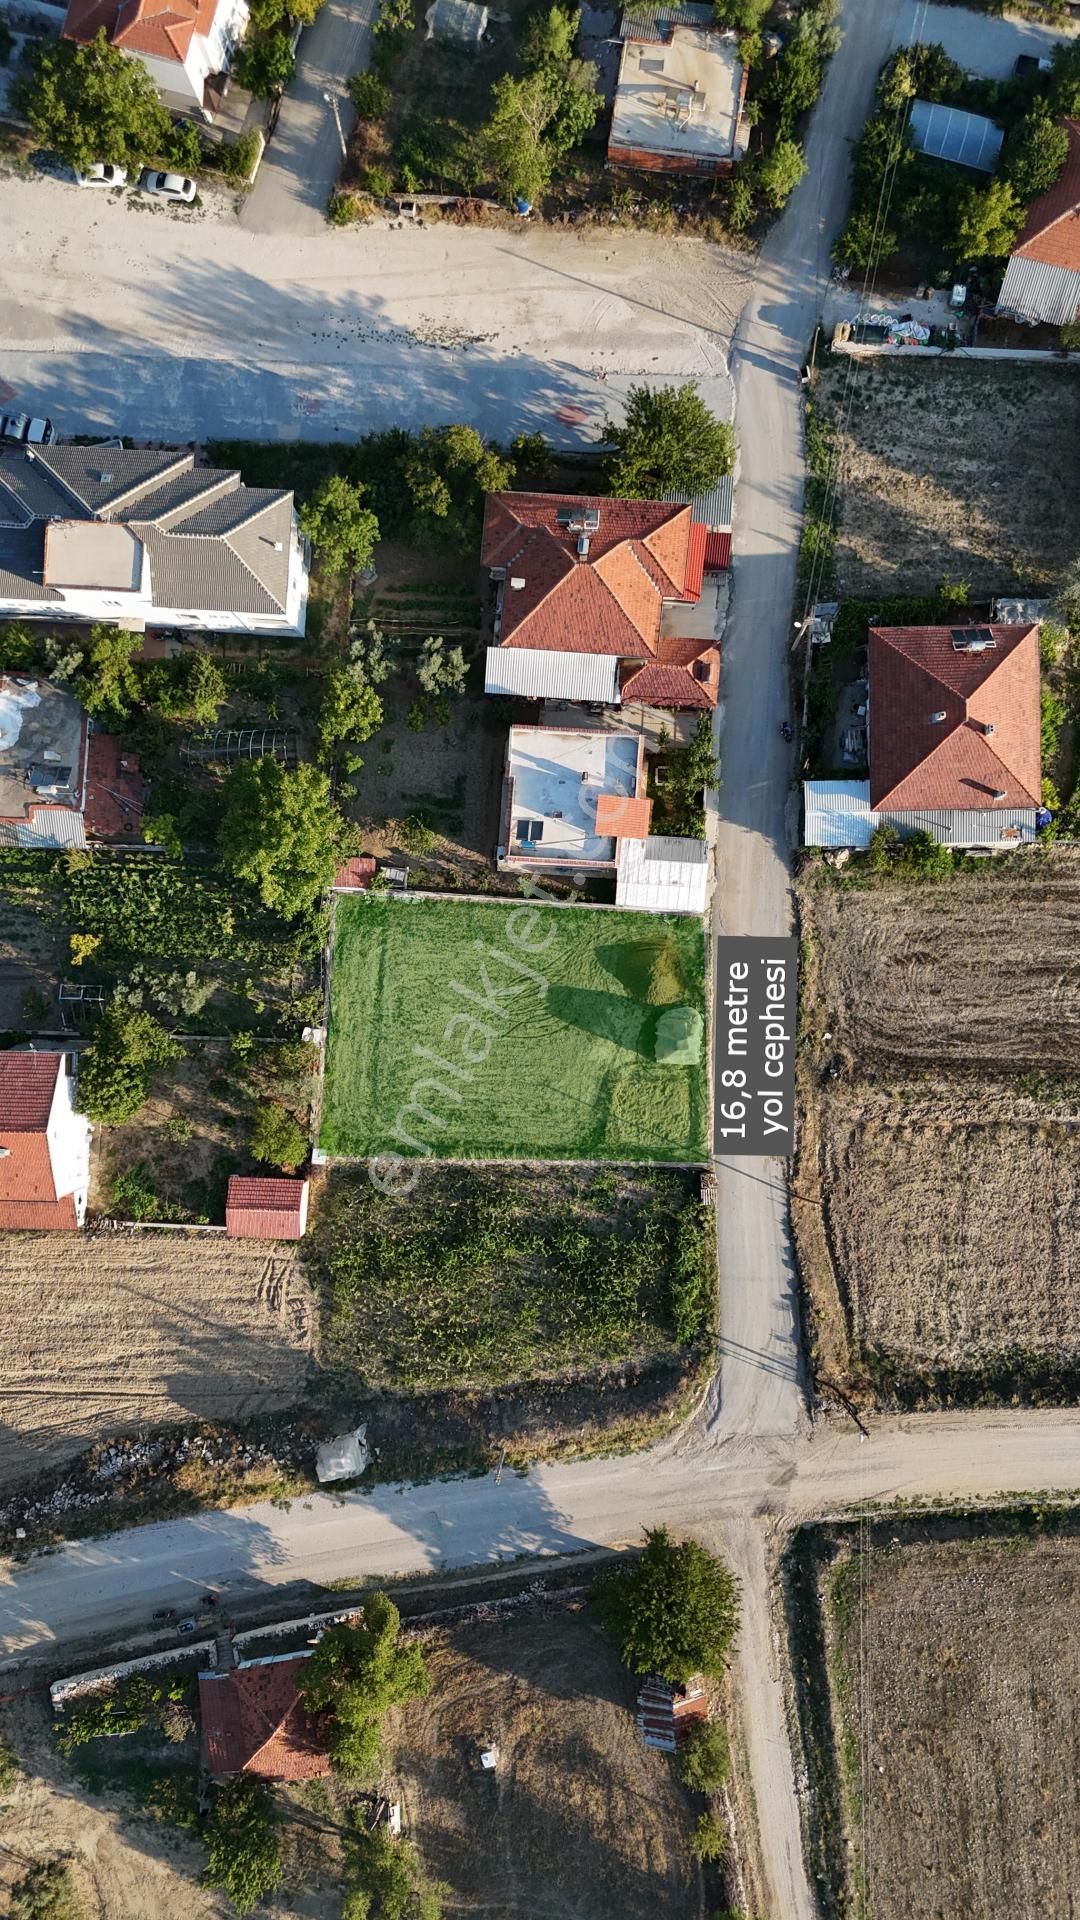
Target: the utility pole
(331, 101)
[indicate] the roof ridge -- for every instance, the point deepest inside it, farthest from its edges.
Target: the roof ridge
(248, 568)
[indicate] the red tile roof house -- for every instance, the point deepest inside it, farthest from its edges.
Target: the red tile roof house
(44, 1144)
(266, 1209)
(954, 742)
(187, 46)
(1042, 279)
(254, 1721)
(588, 593)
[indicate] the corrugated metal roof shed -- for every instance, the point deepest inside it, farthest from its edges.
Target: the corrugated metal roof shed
(1040, 292)
(945, 133)
(662, 875)
(653, 19)
(837, 813)
(534, 673)
(718, 553)
(712, 509)
(45, 827)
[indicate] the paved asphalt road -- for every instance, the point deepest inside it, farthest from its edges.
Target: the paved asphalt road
(303, 160)
(749, 1464)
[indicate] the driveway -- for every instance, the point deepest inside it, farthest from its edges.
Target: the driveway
(303, 160)
(979, 42)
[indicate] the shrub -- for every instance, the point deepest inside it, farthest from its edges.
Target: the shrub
(46, 1892)
(416, 836)
(1051, 721)
(20, 646)
(370, 96)
(114, 1071)
(276, 1138)
(1053, 641)
(705, 1761)
(709, 1840)
(235, 159)
(358, 1671)
(242, 1844)
(379, 182)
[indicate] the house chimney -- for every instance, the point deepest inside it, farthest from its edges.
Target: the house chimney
(987, 726)
(1000, 794)
(517, 583)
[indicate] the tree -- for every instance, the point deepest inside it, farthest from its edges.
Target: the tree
(709, 1840)
(861, 242)
(779, 172)
(356, 1673)
(351, 709)
(705, 1761)
(741, 203)
(1035, 154)
(91, 103)
(541, 114)
(448, 471)
(281, 833)
(668, 442)
(744, 16)
(242, 1843)
(1065, 81)
(441, 670)
(383, 1878)
(341, 529)
(276, 1138)
(99, 671)
(370, 96)
(265, 64)
(676, 1614)
(190, 687)
(115, 1069)
(20, 646)
(988, 221)
(549, 37)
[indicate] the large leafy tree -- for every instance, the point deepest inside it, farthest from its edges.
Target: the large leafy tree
(265, 63)
(356, 1673)
(988, 221)
(99, 672)
(542, 113)
(281, 833)
(351, 709)
(676, 1614)
(1035, 153)
(342, 530)
(780, 170)
(668, 442)
(91, 103)
(115, 1069)
(191, 687)
(745, 16)
(448, 471)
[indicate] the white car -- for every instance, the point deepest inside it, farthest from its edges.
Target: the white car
(168, 186)
(102, 174)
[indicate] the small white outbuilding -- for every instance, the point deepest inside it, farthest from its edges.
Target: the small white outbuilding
(462, 22)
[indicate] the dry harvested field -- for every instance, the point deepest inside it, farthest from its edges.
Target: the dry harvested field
(118, 1330)
(579, 1822)
(939, 476)
(954, 1702)
(937, 1204)
(981, 971)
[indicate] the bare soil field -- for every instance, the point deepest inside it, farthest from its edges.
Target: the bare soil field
(980, 971)
(943, 1779)
(931, 458)
(937, 1186)
(119, 1330)
(580, 1821)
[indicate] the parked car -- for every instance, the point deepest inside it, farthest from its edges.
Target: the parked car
(165, 1613)
(187, 1626)
(102, 174)
(168, 186)
(19, 426)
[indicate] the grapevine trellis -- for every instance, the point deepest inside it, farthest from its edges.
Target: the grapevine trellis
(242, 743)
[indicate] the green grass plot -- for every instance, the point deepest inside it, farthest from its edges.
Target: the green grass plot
(512, 1032)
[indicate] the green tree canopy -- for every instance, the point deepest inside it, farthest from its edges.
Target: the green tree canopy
(356, 1673)
(281, 833)
(350, 710)
(448, 471)
(342, 530)
(861, 242)
(441, 669)
(542, 113)
(190, 687)
(988, 221)
(99, 672)
(265, 63)
(1035, 154)
(242, 1843)
(745, 16)
(276, 1138)
(780, 170)
(115, 1069)
(91, 103)
(668, 442)
(383, 1878)
(676, 1614)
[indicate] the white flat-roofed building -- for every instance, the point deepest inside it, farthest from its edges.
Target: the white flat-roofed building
(678, 103)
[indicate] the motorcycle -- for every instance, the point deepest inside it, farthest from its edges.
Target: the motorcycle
(786, 730)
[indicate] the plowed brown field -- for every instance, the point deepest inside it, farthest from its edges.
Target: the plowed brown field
(120, 1330)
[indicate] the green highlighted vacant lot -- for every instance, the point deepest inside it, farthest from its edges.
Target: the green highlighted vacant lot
(513, 1032)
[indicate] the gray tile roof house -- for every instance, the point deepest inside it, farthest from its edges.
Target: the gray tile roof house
(147, 539)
